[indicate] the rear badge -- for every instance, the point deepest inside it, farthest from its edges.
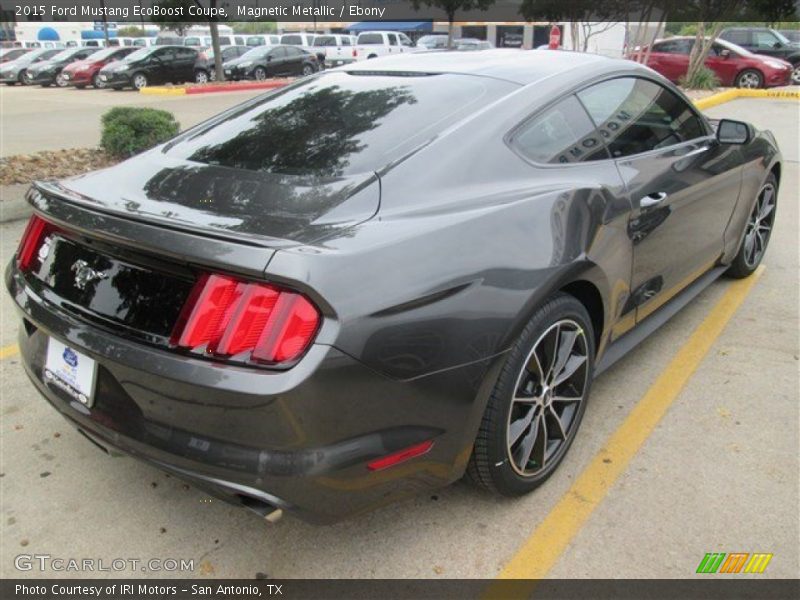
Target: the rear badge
(85, 274)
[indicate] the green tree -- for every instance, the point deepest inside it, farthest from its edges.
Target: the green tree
(254, 27)
(450, 8)
(178, 27)
(131, 31)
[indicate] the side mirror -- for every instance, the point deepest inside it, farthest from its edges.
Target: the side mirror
(777, 45)
(269, 58)
(725, 53)
(733, 132)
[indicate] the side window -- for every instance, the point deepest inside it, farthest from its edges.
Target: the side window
(673, 47)
(165, 55)
(278, 53)
(561, 134)
(392, 39)
(764, 40)
(186, 54)
(736, 37)
(405, 41)
(636, 115)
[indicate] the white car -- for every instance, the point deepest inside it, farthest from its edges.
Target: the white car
(337, 49)
(305, 40)
(372, 44)
(261, 40)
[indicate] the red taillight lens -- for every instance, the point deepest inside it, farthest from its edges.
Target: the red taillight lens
(355, 52)
(35, 233)
(226, 317)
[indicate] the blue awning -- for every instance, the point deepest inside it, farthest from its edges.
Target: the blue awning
(420, 26)
(92, 34)
(47, 34)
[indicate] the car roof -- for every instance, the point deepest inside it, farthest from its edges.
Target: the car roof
(518, 66)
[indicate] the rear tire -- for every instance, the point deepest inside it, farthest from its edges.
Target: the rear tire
(97, 83)
(538, 402)
(757, 231)
(749, 79)
(308, 70)
(201, 77)
(260, 74)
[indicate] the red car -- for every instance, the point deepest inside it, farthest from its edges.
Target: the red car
(732, 64)
(84, 72)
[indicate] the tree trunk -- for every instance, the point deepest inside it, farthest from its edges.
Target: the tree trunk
(702, 44)
(214, 30)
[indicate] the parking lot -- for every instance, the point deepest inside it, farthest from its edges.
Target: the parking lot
(718, 473)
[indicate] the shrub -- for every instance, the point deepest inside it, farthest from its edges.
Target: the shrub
(128, 130)
(703, 79)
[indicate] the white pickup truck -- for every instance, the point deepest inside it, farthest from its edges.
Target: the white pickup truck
(372, 44)
(338, 49)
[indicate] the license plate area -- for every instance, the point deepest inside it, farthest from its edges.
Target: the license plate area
(70, 371)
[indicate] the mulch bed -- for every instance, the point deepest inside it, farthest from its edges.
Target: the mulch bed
(52, 164)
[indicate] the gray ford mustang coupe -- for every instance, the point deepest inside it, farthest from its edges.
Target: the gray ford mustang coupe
(382, 277)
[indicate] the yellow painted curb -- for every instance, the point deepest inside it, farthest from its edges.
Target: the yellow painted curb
(728, 95)
(163, 91)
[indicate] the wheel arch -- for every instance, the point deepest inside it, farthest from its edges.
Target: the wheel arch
(586, 293)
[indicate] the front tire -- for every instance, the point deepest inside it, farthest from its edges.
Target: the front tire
(750, 79)
(757, 231)
(538, 402)
(308, 70)
(97, 83)
(61, 81)
(260, 73)
(139, 81)
(796, 73)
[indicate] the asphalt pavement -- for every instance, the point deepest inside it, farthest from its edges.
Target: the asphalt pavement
(719, 473)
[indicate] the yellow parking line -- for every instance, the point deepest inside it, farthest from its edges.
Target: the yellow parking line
(8, 351)
(543, 548)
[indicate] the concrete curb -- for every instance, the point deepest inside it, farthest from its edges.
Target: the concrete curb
(215, 89)
(13, 206)
(734, 94)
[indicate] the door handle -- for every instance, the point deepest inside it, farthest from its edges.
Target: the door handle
(652, 200)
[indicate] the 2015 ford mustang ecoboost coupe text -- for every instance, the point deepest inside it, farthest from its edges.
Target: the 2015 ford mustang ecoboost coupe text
(376, 279)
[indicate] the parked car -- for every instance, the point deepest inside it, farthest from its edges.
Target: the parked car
(153, 65)
(472, 44)
(262, 40)
(334, 49)
(733, 66)
(264, 62)
(138, 42)
(48, 72)
(572, 202)
(9, 54)
(372, 44)
(87, 72)
(14, 71)
(432, 42)
(94, 44)
(762, 40)
(204, 65)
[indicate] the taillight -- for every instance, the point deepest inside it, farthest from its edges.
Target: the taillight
(245, 321)
(355, 52)
(35, 233)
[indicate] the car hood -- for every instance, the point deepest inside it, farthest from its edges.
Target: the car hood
(225, 201)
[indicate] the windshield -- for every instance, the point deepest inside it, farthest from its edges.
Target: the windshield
(256, 52)
(339, 124)
(66, 53)
(141, 53)
(102, 54)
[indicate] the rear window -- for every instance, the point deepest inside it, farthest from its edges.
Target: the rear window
(367, 39)
(338, 124)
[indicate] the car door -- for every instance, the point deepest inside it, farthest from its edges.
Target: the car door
(185, 59)
(671, 58)
(161, 65)
(683, 185)
(293, 65)
(276, 62)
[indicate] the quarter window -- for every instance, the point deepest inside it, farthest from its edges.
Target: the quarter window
(561, 134)
(636, 115)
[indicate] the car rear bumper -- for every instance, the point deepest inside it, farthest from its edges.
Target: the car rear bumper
(299, 440)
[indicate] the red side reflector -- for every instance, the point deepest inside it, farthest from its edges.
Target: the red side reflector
(400, 456)
(227, 317)
(35, 233)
